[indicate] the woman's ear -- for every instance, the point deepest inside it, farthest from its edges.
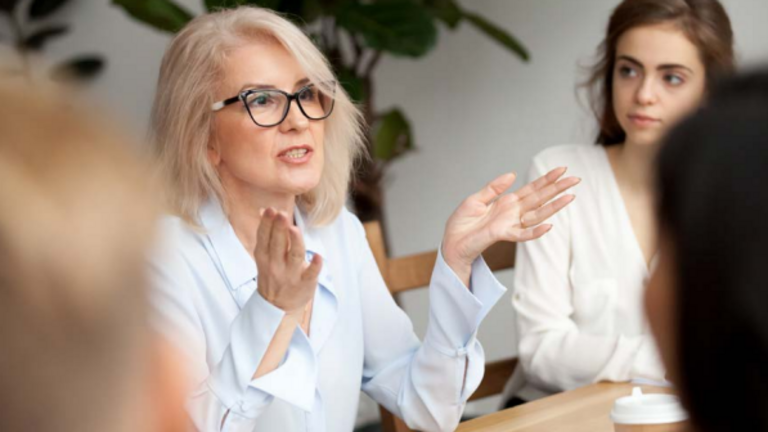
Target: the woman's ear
(167, 383)
(214, 156)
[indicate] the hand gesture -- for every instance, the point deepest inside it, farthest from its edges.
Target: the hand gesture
(487, 217)
(285, 278)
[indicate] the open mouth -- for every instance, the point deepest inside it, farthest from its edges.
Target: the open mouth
(296, 153)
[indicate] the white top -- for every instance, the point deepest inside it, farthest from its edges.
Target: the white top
(207, 302)
(579, 289)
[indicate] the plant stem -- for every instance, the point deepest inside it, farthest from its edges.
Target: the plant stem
(18, 33)
(372, 64)
(357, 61)
(324, 35)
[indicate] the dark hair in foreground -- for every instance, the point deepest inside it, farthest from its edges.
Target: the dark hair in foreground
(713, 207)
(704, 22)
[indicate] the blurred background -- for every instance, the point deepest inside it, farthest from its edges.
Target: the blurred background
(461, 92)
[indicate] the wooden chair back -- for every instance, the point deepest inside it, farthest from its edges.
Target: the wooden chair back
(415, 271)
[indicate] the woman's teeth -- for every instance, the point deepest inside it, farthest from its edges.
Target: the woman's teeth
(296, 153)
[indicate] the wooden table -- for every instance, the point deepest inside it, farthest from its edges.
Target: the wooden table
(582, 410)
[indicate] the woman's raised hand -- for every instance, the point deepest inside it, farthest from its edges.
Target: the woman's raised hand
(285, 278)
(487, 217)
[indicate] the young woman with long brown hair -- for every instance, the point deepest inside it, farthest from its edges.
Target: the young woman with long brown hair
(578, 292)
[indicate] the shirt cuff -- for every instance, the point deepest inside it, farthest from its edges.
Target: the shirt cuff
(251, 333)
(455, 312)
(294, 381)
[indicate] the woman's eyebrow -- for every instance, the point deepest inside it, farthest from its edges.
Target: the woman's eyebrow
(665, 66)
(675, 66)
(632, 60)
(301, 82)
(256, 86)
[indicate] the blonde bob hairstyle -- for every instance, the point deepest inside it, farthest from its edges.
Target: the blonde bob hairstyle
(182, 119)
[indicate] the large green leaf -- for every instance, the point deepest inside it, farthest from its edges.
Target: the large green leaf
(8, 6)
(40, 37)
(298, 11)
(498, 34)
(43, 8)
(78, 69)
(400, 27)
(301, 11)
(446, 11)
(269, 4)
(164, 15)
(393, 136)
(211, 5)
(352, 84)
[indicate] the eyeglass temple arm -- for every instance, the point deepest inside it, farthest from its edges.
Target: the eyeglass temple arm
(219, 105)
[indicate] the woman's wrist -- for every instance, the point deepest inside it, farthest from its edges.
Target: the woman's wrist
(288, 309)
(461, 268)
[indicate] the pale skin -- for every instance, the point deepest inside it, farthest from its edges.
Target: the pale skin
(658, 79)
(262, 186)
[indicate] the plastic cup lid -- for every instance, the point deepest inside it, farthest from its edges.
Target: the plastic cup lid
(647, 409)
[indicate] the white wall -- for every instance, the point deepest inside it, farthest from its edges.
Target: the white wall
(476, 110)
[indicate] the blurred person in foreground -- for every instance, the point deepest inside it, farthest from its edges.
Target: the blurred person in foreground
(707, 302)
(76, 219)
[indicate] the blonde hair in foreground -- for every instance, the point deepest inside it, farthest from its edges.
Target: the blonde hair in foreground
(75, 223)
(182, 120)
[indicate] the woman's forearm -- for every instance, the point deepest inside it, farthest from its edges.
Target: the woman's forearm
(279, 345)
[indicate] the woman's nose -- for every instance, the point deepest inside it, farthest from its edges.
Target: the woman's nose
(646, 93)
(295, 119)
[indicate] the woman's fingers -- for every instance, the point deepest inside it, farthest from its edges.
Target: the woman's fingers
(539, 215)
(540, 197)
(264, 234)
(540, 183)
(495, 188)
(529, 234)
(297, 252)
(313, 271)
(278, 243)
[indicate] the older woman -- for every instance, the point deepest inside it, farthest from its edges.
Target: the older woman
(268, 282)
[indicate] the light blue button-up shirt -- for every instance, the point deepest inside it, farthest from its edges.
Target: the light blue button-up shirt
(208, 304)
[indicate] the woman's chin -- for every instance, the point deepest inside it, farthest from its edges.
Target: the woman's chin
(298, 188)
(646, 138)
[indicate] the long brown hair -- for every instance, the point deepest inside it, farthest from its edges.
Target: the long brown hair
(704, 22)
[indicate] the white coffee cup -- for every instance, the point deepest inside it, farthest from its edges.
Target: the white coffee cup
(648, 413)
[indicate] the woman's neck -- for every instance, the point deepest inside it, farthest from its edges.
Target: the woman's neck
(245, 208)
(633, 166)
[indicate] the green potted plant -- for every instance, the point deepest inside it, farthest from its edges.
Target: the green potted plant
(33, 25)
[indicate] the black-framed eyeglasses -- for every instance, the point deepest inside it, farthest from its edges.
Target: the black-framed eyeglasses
(269, 107)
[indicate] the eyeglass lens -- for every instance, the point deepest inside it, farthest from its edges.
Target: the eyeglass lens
(269, 107)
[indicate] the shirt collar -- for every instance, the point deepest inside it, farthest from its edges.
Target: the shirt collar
(236, 262)
(313, 244)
